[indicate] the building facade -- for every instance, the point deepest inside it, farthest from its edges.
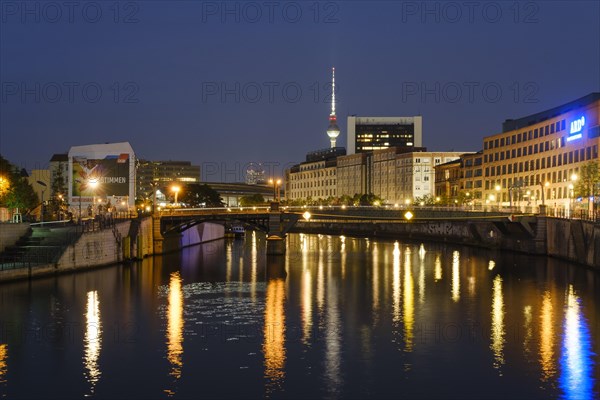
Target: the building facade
(537, 159)
(101, 173)
(316, 178)
(415, 175)
(367, 134)
(448, 181)
(153, 175)
(353, 174)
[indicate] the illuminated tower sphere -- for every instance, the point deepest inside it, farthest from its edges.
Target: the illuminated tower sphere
(334, 130)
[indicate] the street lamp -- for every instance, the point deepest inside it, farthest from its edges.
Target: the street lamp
(275, 183)
(42, 206)
(93, 182)
(574, 178)
(175, 189)
(498, 188)
(571, 200)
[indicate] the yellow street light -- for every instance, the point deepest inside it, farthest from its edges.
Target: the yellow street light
(408, 215)
(93, 183)
(175, 189)
(306, 215)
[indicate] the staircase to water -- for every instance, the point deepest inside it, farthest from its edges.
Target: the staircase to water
(39, 246)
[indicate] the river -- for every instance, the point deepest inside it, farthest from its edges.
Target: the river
(336, 317)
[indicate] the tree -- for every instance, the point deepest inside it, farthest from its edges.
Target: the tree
(15, 190)
(58, 193)
(588, 182)
(200, 195)
(252, 200)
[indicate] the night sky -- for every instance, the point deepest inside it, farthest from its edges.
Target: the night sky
(225, 83)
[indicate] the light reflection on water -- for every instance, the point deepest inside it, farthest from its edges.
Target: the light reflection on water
(575, 363)
(274, 335)
(498, 332)
(175, 326)
(336, 317)
(92, 340)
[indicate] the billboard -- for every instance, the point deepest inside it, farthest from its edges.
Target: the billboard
(101, 173)
(101, 177)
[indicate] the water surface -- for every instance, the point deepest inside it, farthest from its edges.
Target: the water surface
(336, 317)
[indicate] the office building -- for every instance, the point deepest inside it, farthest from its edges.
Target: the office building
(152, 175)
(536, 159)
(367, 134)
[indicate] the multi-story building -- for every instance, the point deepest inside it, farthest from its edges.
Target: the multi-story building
(536, 159)
(353, 174)
(415, 175)
(471, 178)
(316, 177)
(367, 134)
(448, 180)
(152, 175)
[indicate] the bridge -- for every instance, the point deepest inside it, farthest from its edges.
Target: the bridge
(276, 221)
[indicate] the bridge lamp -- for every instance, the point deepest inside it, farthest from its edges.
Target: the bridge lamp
(408, 215)
(306, 215)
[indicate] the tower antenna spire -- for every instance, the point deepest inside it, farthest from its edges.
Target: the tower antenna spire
(333, 91)
(333, 131)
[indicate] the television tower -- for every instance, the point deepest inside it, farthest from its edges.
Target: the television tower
(333, 131)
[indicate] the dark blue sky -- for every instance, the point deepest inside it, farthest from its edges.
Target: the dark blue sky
(191, 80)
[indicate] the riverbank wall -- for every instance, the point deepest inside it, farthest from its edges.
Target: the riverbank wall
(571, 240)
(127, 240)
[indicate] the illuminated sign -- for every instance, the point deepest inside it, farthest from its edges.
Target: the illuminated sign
(576, 127)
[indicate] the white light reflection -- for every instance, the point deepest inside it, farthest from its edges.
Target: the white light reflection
(254, 266)
(498, 333)
(396, 284)
(491, 265)
(92, 341)
(408, 303)
(343, 256)
(320, 283)
(375, 285)
(437, 270)
(576, 361)
(455, 276)
(422, 274)
(333, 340)
(307, 302)
(228, 260)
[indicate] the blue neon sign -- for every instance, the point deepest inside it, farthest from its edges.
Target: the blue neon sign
(576, 128)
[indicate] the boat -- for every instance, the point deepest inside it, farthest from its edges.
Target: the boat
(235, 231)
(238, 231)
